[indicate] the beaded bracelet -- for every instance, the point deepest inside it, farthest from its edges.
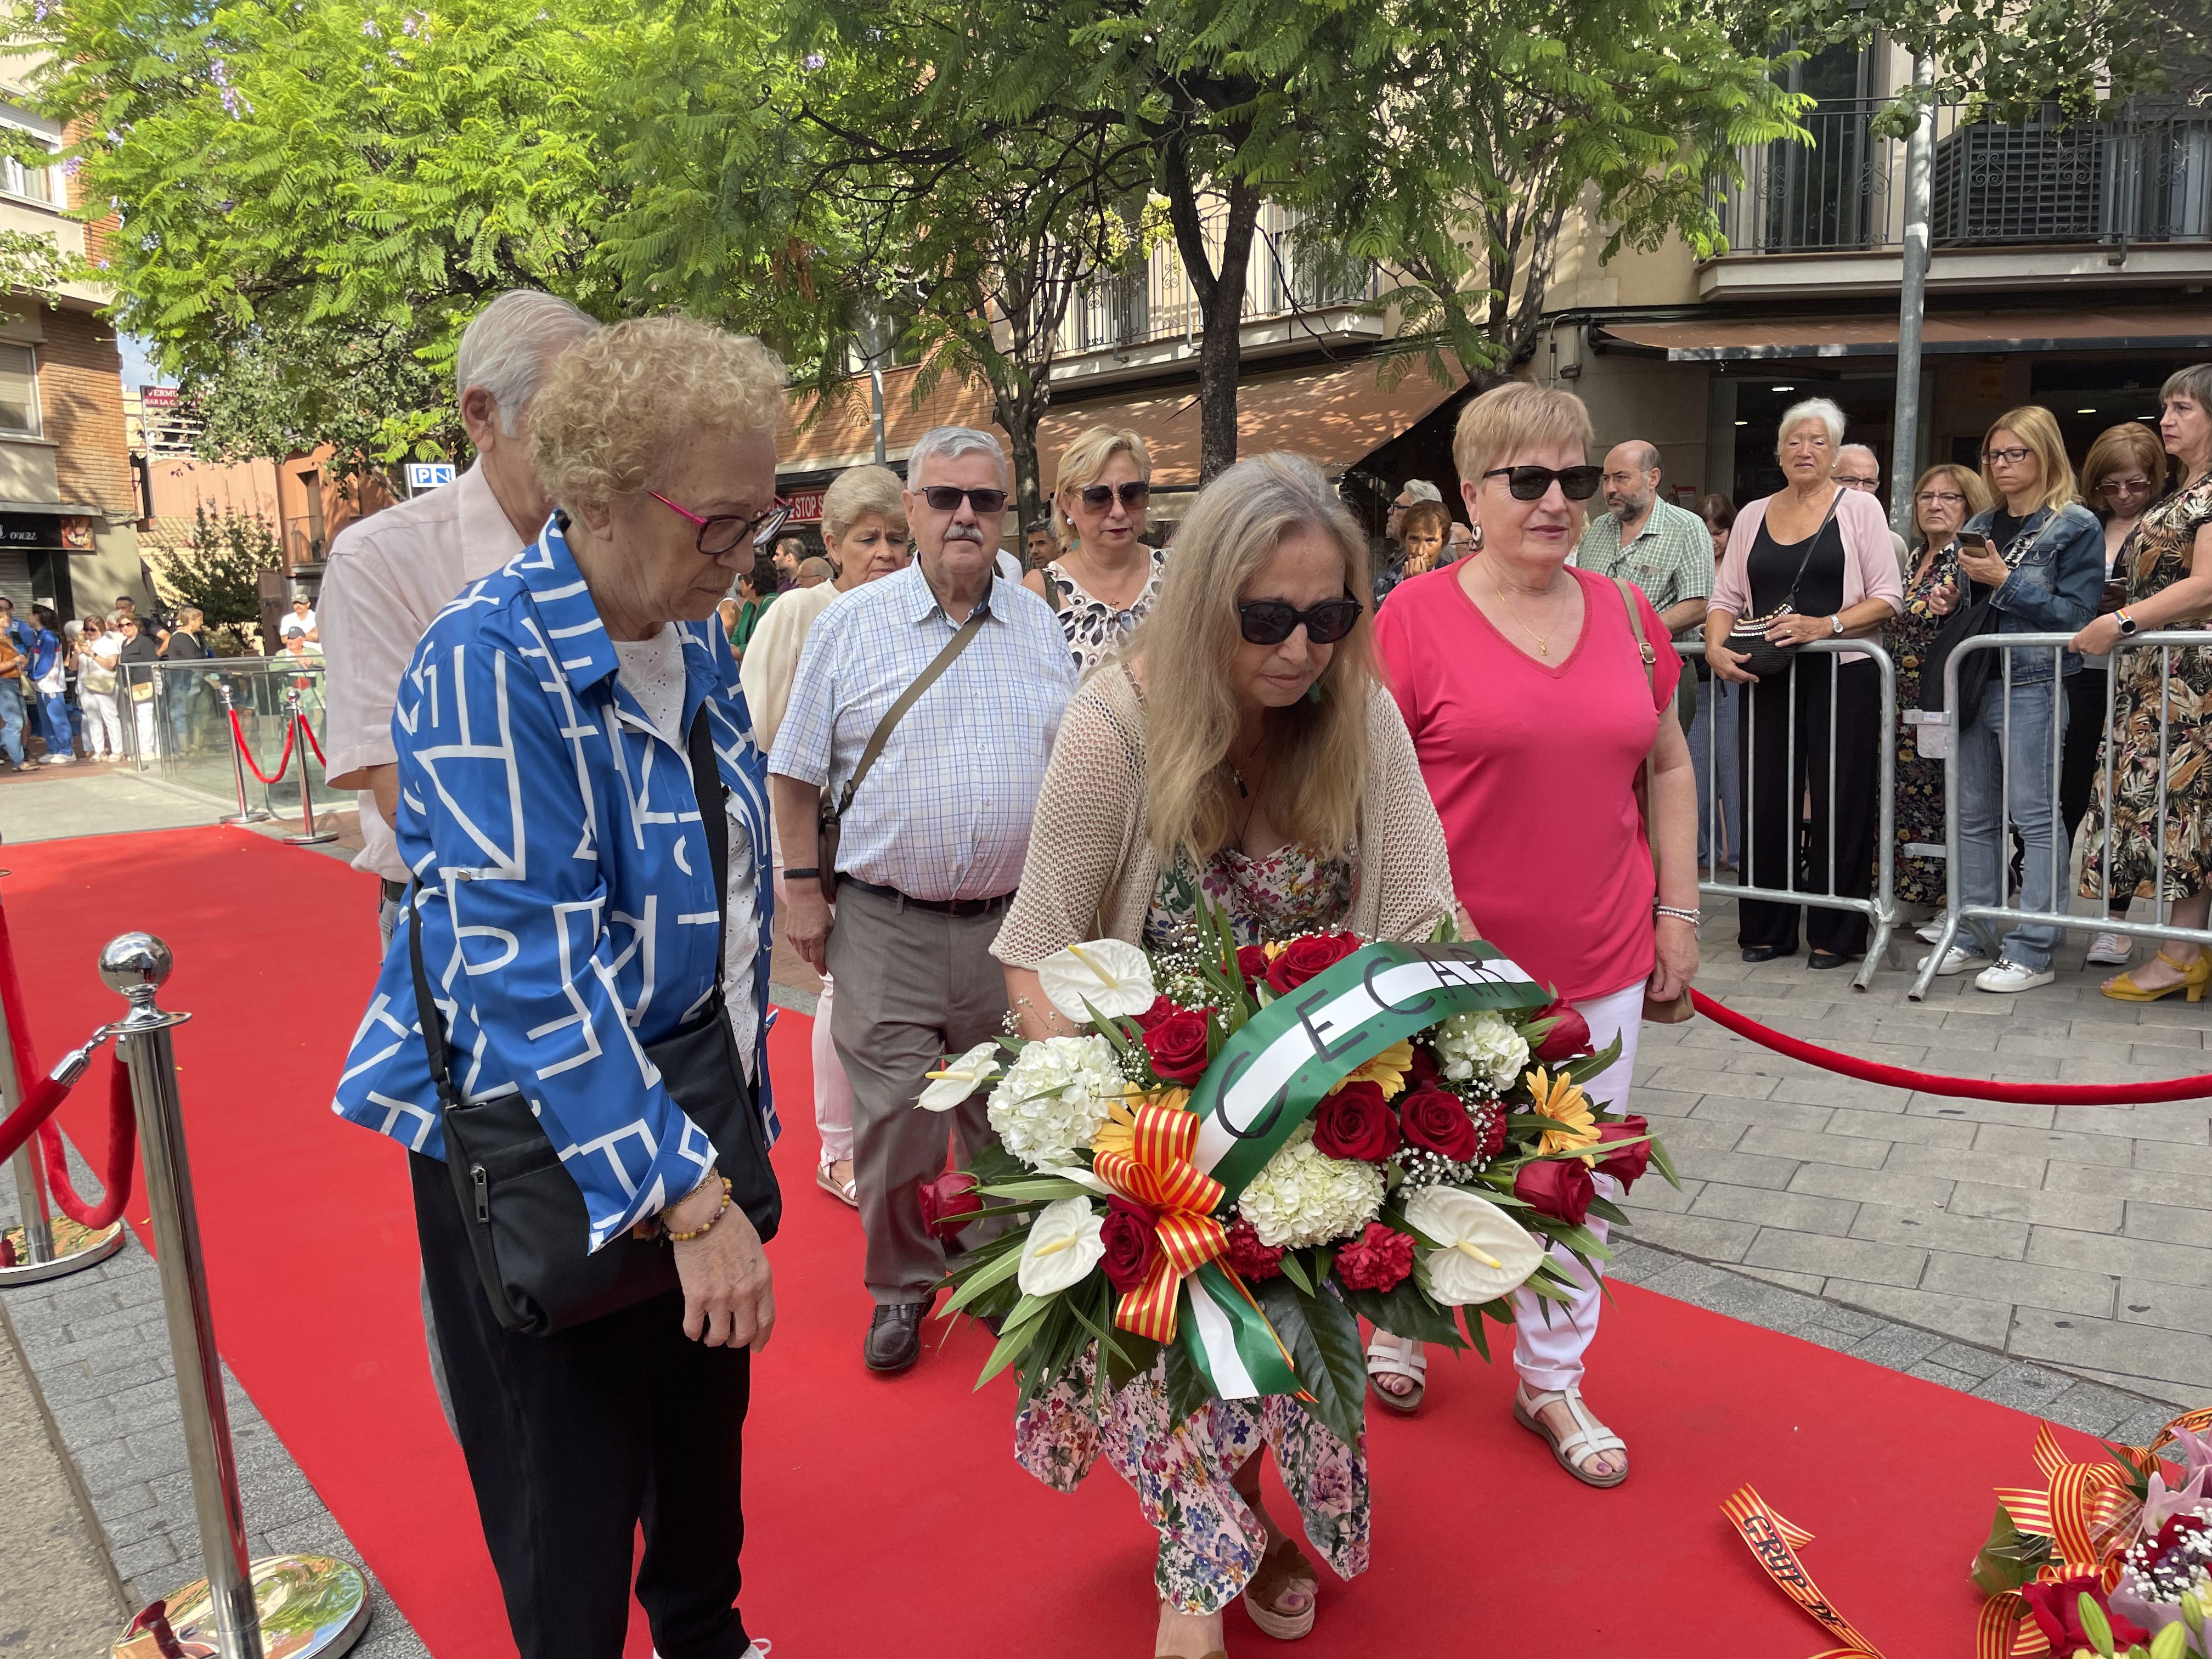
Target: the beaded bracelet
(708, 1226)
(1690, 917)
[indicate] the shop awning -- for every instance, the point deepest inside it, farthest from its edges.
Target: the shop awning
(2175, 329)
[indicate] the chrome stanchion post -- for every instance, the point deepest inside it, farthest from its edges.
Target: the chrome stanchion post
(222, 1610)
(246, 813)
(308, 836)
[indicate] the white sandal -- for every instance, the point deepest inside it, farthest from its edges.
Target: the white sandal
(1590, 1439)
(1393, 1355)
(848, 1190)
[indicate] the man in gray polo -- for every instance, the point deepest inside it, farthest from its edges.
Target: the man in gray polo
(930, 846)
(1665, 551)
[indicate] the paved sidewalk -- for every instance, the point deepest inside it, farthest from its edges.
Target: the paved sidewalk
(2075, 1235)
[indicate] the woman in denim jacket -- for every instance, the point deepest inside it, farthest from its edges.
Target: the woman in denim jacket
(2045, 572)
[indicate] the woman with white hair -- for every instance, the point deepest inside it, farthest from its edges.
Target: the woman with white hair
(1106, 580)
(1243, 748)
(1812, 561)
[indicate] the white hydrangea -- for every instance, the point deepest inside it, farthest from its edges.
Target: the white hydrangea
(1484, 1046)
(1302, 1196)
(1054, 1098)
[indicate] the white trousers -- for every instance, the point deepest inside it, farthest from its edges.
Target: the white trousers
(1549, 1356)
(833, 1091)
(103, 725)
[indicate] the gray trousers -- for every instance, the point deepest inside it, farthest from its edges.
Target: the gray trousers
(387, 917)
(913, 986)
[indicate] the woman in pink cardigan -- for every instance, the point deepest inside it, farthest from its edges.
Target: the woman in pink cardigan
(1816, 557)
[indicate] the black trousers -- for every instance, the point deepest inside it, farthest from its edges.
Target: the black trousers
(1773, 795)
(2078, 751)
(574, 1440)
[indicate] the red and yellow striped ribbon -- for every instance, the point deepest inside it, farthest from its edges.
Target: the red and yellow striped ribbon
(1156, 1172)
(1774, 1543)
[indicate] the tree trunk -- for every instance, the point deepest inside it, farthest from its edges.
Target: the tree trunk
(1220, 351)
(1020, 417)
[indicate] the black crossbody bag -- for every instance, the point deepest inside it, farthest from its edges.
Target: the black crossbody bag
(527, 1223)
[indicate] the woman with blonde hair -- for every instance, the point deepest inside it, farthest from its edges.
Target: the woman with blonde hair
(1242, 749)
(1106, 580)
(863, 527)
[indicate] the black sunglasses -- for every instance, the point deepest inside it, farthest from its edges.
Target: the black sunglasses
(947, 498)
(1135, 493)
(1270, 622)
(1529, 484)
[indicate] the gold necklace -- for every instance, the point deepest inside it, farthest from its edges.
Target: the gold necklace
(1543, 641)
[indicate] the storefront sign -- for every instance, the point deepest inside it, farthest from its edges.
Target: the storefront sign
(26, 531)
(806, 506)
(79, 535)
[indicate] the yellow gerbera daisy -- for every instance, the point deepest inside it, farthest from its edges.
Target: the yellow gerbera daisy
(1388, 1068)
(1119, 1132)
(1561, 1100)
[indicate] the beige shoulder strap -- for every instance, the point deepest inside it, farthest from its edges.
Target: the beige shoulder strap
(1650, 683)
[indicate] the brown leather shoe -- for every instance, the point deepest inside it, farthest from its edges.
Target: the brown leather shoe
(894, 1337)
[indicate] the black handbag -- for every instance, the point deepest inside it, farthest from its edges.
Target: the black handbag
(1748, 637)
(527, 1223)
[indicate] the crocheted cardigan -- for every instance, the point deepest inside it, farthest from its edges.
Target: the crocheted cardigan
(1092, 870)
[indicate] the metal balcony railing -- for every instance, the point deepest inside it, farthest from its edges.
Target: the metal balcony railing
(2135, 177)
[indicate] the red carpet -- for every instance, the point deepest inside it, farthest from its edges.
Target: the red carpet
(888, 1517)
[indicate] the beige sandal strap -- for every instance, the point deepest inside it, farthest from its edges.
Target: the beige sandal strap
(1393, 1355)
(1590, 1437)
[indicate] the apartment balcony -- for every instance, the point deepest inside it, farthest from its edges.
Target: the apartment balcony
(1147, 320)
(2124, 199)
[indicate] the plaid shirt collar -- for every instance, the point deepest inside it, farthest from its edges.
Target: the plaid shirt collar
(920, 602)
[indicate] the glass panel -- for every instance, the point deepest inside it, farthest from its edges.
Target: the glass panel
(174, 727)
(19, 390)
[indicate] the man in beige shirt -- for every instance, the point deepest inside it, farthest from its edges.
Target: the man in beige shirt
(392, 572)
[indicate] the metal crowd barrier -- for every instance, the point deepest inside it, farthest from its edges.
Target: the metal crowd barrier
(1880, 905)
(2004, 913)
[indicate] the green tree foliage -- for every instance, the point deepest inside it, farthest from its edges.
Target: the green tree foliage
(217, 570)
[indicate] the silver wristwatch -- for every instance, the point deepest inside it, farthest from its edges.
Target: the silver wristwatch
(1838, 619)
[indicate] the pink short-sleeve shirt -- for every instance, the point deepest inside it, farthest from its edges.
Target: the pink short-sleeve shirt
(1534, 767)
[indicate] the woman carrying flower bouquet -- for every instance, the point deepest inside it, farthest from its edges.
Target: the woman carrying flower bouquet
(1533, 711)
(1244, 749)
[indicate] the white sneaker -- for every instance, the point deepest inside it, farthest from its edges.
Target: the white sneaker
(2009, 977)
(1958, 960)
(1931, 933)
(2110, 951)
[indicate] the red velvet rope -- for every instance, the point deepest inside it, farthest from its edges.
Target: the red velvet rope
(40, 1099)
(308, 732)
(238, 736)
(121, 1154)
(1963, 1087)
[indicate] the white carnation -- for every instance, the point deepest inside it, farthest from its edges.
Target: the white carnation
(1302, 1196)
(1481, 1045)
(1054, 1098)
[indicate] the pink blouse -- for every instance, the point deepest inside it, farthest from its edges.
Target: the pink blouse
(1870, 558)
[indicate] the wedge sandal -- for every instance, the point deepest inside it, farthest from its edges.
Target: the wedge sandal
(1395, 1355)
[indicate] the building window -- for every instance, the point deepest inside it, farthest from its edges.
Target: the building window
(19, 391)
(16, 179)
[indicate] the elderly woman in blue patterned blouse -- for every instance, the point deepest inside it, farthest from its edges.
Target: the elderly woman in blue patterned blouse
(573, 936)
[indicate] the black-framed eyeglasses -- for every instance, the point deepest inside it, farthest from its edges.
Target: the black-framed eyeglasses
(947, 498)
(1938, 498)
(727, 531)
(1529, 484)
(1134, 494)
(1270, 622)
(2011, 456)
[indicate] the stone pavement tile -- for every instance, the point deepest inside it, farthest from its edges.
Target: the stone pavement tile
(1735, 1168)
(1772, 1306)
(1932, 1229)
(1966, 1318)
(2185, 1122)
(2084, 1213)
(1666, 1103)
(2141, 1426)
(1850, 1259)
(1694, 1234)
(1929, 1372)
(2105, 1071)
(1895, 1184)
(2174, 1397)
(2192, 1159)
(2180, 1307)
(1722, 1107)
(2053, 1143)
(1653, 1193)
(1741, 1085)
(2170, 1223)
(1899, 1126)
(2025, 1388)
(2176, 1061)
(2066, 1289)
(1977, 1363)
(2128, 1258)
(1991, 1169)
(1899, 1348)
(2093, 1408)
(2073, 1046)
(1830, 1089)
(1960, 1111)
(1797, 1211)
(2182, 1357)
(2102, 1180)
(1710, 1134)
(1810, 1283)
(1764, 1141)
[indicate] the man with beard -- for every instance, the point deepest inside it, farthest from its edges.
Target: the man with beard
(1663, 549)
(931, 837)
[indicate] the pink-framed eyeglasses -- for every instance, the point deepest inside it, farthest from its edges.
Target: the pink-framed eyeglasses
(726, 531)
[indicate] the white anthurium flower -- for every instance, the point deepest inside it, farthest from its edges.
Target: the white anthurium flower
(1111, 975)
(1064, 1245)
(960, 1078)
(1483, 1253)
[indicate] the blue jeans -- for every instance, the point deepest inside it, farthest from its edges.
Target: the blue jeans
(2038, 717)
(1712, 739)
(54, 725)
(11, 720)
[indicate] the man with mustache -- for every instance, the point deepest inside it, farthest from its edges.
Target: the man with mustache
(931, 837)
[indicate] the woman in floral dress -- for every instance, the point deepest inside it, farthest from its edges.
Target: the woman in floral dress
(1243, 747)
(1945, 497)
(1108, 581)
(2169, 587)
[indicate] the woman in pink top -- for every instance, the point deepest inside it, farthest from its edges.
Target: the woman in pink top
(1531, 713)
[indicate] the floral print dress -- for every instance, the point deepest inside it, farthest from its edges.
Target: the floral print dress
(1211, 1543)
(2166, 542)
(1919, 803)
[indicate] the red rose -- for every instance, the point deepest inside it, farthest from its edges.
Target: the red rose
(1558, 1186)
(1131, 1243)
(1177, 1045)
(1252, 962)
(1307, 957)
(947, 1202)
(1437, 1119)
(1249, 1256)
(1629, 1162)
(1355, 1122)
(2057, 1608)
(1425, 1068)
(1161, 1009)
(1568, 1039)
(1377, 1259)
(1490, 1133)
